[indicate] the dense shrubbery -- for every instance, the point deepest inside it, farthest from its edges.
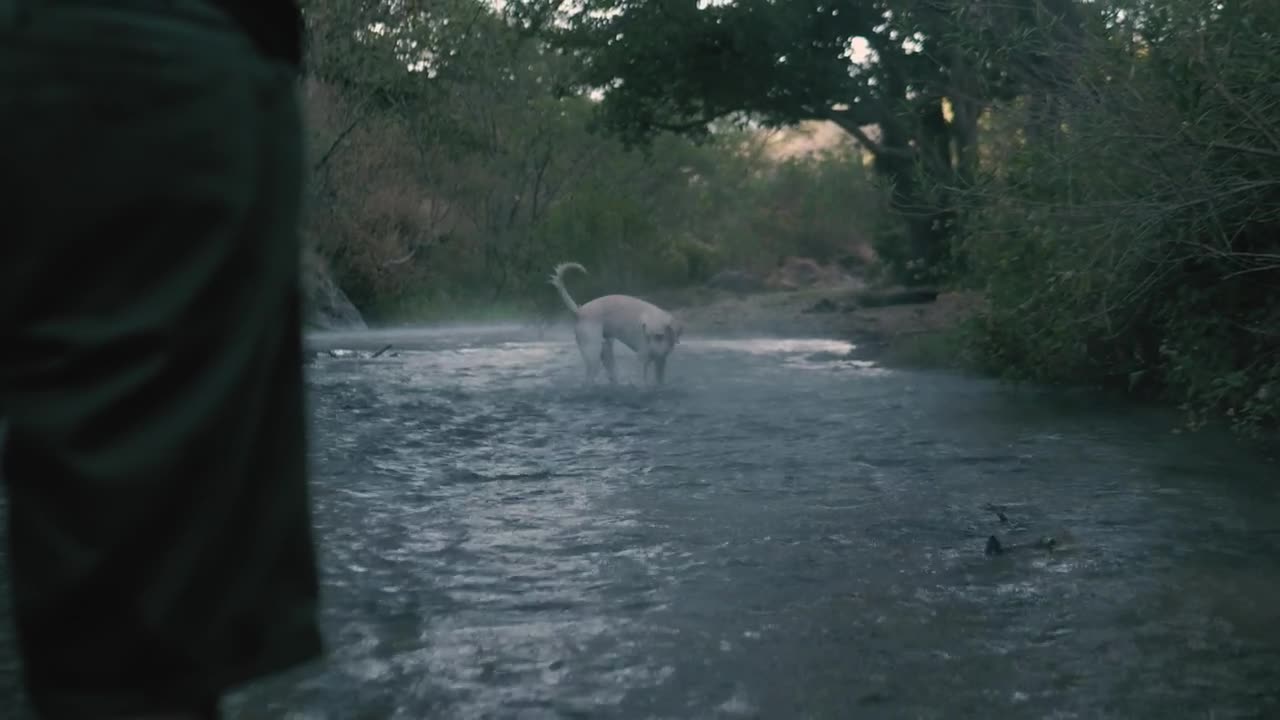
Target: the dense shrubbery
(1107, 173)
(452, 187)
(1136, 241)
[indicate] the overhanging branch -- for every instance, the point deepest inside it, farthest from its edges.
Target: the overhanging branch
(337, 141)
(853, 123)
(683, 127)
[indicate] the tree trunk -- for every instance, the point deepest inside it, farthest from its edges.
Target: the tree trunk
(917, 163)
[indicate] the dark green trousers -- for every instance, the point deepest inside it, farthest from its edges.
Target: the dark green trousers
(150, 356)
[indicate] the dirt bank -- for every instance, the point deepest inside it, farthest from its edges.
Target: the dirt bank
(901, 332)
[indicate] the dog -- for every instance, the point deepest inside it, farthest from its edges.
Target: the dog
(650, 331)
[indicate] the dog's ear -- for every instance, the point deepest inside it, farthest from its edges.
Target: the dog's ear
(671, 334)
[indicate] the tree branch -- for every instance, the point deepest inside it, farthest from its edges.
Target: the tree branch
(681, 128)
(854, 128)
(402, 260)
(1263, 152)
(333, 146)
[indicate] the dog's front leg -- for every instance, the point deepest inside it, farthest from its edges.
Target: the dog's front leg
(660, 368)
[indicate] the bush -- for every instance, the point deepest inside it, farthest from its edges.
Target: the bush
(1135, 240)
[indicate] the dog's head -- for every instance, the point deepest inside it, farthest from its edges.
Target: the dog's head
(661, 337)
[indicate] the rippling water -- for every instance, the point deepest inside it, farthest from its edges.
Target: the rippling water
(777, 534)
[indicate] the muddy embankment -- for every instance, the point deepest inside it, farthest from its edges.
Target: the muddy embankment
(801, 299)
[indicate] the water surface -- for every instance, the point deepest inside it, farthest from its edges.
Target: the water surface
(776, 534)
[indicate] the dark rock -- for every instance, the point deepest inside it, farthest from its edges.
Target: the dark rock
(738, 281)
(993, 546)
(886, 298)
(327, 306)
(824, 305)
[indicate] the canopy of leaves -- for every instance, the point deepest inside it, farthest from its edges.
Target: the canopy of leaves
(920, 71)
(450, 166)
(677, 64)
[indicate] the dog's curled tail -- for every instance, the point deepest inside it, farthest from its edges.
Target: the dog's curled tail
(557, 281)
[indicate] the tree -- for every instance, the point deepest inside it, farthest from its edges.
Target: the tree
(907, 78)
(453, 163)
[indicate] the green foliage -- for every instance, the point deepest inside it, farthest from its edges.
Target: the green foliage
(1134, 240)
(942, 349)
(815, 202)
(677, 65)
(1105, 172)
(451, 171)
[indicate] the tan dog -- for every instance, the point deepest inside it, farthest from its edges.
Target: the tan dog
(650, 331)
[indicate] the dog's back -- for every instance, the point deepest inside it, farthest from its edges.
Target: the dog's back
(626, 318)
(620, 309)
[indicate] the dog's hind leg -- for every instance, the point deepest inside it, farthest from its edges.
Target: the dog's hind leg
(607, 359)
(590, 343)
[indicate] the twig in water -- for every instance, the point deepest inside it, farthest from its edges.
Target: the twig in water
(388, 347)
(999, 511)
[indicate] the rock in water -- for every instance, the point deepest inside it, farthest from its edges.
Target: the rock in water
(993, 546)
(327, 306)
(824, 305)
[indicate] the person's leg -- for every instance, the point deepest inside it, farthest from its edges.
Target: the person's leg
(150, 359)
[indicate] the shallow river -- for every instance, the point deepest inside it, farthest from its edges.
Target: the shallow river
(774, 534)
